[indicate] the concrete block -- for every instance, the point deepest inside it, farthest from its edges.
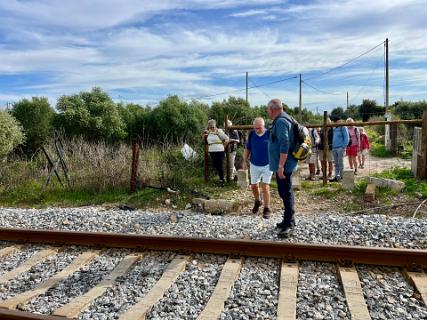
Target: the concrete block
(218, 206)
(348, 179)
(296, 180)
(242, 178)
(370, 192)
(395, 185)
(215, 206)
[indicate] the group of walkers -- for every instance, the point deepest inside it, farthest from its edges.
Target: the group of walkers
(269, 150)
(266, 151)
(343, 141)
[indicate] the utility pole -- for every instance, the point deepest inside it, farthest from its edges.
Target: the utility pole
(300, 99)
(390, 136)
(347, 100)
(247, 78)
(386, 75)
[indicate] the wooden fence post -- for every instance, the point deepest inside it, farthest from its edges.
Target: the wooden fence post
(227, 151)
(325, 147)
(206, 159)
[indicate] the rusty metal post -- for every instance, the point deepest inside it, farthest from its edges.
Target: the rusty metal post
(227, 151)
(325, 147)
(134, 167)
(206, 158)
(423, 159)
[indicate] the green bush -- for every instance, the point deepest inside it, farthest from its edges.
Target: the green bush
(11, 134)
(35, 116)
(175, 120)
(92, 115)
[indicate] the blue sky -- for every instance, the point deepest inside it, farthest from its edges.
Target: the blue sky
(143, 51)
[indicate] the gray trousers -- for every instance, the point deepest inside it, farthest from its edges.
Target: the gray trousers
(338, 161)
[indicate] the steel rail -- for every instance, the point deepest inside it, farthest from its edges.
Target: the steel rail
(261, 248)
(22, 315)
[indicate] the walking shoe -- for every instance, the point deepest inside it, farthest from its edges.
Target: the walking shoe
(310, 178)
(317, 172)
(355, 172)
(266, 213)
(221, 183)
(257, 204)
(284, 232)
(336, 179)
(280, 225)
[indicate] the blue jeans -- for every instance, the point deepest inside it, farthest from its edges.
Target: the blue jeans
(285, 191)
(338, 154)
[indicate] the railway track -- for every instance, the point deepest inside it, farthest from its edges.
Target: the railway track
(156, 271)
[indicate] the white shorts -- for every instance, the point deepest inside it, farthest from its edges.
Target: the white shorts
(329, 156)
(260, 173)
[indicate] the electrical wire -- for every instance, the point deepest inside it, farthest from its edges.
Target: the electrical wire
(346, 63)
(256, 87)
(367, 80)
(320, 90)
(253, 87)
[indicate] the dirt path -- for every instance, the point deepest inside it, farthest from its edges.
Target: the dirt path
(307, 203)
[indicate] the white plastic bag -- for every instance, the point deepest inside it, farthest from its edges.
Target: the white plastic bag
(188, 153)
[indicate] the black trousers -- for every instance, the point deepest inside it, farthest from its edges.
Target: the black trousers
(217, 160)
(285, 192)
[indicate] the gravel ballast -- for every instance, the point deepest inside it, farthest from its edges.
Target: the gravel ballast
(365, 230)
(255, 292)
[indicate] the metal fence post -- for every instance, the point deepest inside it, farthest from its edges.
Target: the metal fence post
(134, 167)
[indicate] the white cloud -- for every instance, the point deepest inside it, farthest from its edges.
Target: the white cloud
(192, 58)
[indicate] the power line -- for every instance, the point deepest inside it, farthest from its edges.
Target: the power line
(256, 87)
(367, 80)
(321, 91)
(243, 89)
(348, 62)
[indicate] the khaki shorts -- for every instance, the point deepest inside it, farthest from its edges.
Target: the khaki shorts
(328, 158)
(313, 158)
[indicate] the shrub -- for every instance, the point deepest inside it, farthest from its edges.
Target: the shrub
(11, 134)
(92, 115)
(35, 116)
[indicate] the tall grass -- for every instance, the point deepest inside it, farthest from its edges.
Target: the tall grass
(95, 169)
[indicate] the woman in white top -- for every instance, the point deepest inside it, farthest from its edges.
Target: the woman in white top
(216, 140)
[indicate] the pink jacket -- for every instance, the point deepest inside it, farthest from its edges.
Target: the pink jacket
(364, 142)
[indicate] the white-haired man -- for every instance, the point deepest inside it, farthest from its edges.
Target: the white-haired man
(280, 145)
(256, 150)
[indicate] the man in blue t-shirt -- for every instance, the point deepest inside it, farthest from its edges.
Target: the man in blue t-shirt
(257, 150)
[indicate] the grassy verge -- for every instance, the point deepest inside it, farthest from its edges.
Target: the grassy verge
(30, 195)
(412, 185)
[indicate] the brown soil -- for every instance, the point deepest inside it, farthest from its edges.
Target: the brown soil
(307, 203)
